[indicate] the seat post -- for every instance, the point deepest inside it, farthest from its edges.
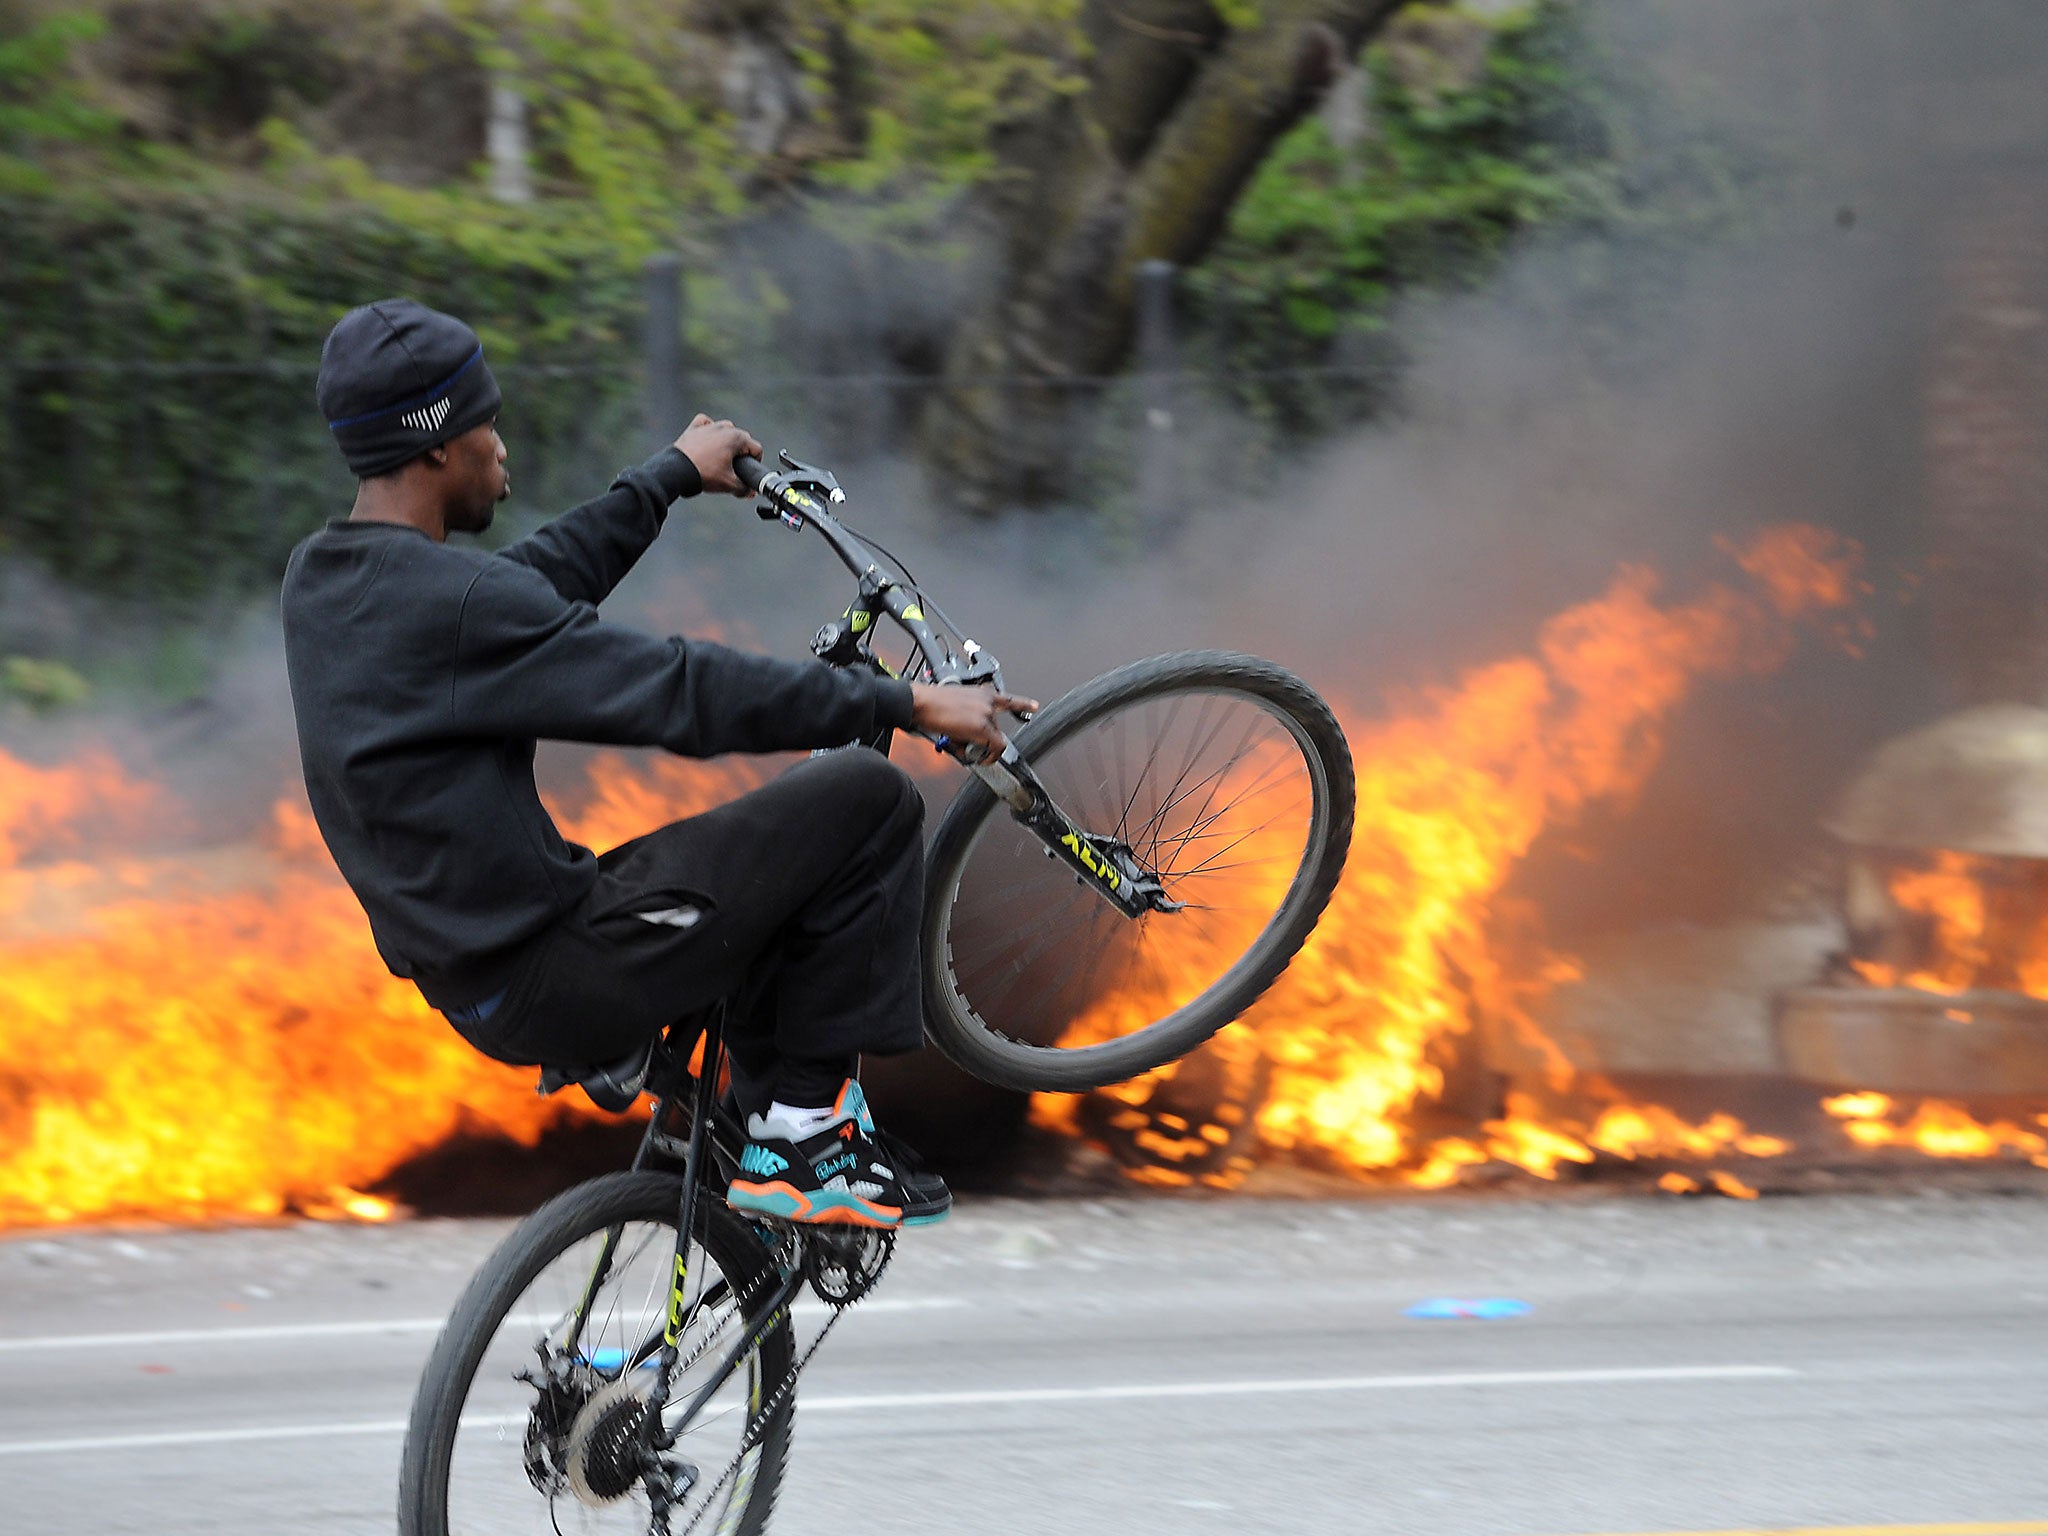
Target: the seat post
(712, 1058)
(673, 1079)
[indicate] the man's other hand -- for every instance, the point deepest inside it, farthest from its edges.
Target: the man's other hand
(712, 446)
(965, 714)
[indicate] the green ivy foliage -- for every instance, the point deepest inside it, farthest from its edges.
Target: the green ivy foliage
(927, 82)
(163, 301)
(163, 315)
(1454, 173)
(158, 434)
(40, 101)
(44, 686)
(613, 129)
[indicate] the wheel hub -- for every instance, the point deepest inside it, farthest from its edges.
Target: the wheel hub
(561, 1391)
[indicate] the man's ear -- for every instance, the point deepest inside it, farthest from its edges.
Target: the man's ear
(437, 455)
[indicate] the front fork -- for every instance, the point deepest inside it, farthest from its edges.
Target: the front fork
(1104, 864)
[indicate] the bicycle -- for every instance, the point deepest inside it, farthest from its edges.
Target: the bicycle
(1175, 829)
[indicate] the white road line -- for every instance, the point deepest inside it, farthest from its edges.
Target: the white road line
(1299, 1384)
(1618, 1376)
(401, 1325)
(200, 1437)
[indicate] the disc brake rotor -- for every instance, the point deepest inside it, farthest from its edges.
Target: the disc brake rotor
(561, 1391)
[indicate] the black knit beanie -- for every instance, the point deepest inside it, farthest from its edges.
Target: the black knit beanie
(398, 378)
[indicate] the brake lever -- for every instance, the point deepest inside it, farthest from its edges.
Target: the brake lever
(779, 490)
(810, 477)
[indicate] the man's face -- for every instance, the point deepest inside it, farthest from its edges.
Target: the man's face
(476, 478)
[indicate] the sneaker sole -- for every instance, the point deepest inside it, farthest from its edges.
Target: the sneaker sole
(818, 1207)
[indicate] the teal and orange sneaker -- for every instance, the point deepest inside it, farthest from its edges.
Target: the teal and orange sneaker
(842, 1172)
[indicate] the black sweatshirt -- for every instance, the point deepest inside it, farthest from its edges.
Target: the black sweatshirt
(422, 674)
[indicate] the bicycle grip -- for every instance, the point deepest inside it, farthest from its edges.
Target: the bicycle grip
(750, 470)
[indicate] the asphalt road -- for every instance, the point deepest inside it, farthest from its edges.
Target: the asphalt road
(1140, 1366)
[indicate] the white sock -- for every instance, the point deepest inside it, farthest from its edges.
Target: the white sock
(802, 1121)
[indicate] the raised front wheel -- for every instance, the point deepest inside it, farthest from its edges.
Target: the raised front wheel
(1225, 776)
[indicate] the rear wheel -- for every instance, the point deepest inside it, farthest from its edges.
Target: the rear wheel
(512, 1432)
(1225, 776)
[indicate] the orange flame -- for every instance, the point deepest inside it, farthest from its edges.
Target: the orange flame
(1936, 1127)
(1950, 896)
(1984, 923)
(245, 1052)
(1451, 794)
(242, 1054)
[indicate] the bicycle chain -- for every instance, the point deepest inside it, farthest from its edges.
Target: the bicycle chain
(774, 1269)
(751, 1437)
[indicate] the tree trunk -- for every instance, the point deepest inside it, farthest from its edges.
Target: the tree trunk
(1145, 163)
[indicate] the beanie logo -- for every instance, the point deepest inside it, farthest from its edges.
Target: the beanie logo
(427, 418)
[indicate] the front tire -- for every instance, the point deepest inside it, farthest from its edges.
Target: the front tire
(1033, 982)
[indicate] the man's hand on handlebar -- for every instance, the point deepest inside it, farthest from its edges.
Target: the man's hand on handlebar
(964, 714)
(712, 446)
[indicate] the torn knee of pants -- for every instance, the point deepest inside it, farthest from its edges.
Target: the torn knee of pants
(678, 915)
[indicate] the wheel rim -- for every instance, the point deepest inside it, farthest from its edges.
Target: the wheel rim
(1220, 791)
(489, 1489)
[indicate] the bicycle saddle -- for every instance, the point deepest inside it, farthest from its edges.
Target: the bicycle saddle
(613, 1086)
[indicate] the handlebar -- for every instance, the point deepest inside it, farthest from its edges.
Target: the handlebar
(801, 496)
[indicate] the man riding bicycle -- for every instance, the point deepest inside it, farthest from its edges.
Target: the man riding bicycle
(422, 675)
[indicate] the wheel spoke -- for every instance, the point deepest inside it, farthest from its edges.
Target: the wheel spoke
(487, 1486)
(1168, 800)
(1212, 779)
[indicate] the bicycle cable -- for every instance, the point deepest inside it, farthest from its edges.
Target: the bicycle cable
(910, 580)
(876, 546)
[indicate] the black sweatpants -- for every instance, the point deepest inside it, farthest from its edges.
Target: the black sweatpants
(799, 900)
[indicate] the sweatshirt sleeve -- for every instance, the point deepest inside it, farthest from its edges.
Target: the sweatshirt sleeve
(587, 551)
(528, 664)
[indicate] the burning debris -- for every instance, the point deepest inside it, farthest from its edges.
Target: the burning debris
(1942, 991)
(242, 1052)
(1413, 969)
(1935, 1127)
(235, 1048)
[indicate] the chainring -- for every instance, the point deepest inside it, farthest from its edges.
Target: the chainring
(843, 1265)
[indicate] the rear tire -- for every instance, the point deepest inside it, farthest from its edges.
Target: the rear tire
(735, 1251)
(977, 831)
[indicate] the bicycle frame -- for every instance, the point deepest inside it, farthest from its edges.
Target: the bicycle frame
(799, 499)
(706, 1155)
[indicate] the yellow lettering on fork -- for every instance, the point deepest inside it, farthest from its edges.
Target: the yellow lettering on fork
(1093, 861)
